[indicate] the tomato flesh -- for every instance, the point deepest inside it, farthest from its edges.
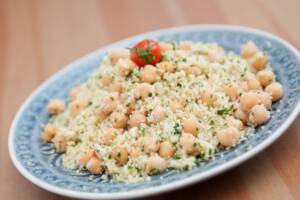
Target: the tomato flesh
(146, 52)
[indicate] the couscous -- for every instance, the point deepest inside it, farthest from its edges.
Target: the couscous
(161, 106)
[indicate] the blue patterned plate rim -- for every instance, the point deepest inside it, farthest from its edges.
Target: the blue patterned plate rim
(169, 186)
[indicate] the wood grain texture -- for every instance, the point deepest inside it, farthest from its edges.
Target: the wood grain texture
(39, 37)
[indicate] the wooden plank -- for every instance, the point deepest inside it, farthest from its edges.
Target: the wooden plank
(128, 18)
(2, 57)
(245, 13)
(222, 187)
(262, 179)
(174, 12)
(202, 12)
(67, 31)
(284, 155)
(287, 23)
(39, 37)
(20, 78)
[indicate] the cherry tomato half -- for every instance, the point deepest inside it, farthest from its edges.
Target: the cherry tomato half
(145, 52)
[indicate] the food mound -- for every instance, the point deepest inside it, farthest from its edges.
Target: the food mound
(160, 106)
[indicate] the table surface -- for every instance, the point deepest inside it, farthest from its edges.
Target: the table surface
(37, 38)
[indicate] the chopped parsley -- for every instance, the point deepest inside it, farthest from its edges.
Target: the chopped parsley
(74, 145)
(225, 111)
(177, 129)
(176, 157)
(138, 169)
(126, 137)
(142, 130)
(145, 54)
(164, 58)
(174, 44)
(136, 72)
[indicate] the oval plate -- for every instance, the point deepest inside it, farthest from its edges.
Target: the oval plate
(38, 164)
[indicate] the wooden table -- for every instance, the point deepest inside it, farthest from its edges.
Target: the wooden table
(37, 38)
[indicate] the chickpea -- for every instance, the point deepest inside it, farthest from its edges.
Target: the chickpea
(150, 144)
(130, 107)
(265, 99)
(149, 74)
(232, 90)
(186, 46)
(249, 76)
(106, 80)
(119, 120)
(94, 165)
(244, 86)
(259, 115)
(260, 62)
(228, 136)
(84, 157)
(114, 96)
(109, 136)
(193, 70)
(76, 107)
(157, 115)
(110, 103)
(232, 122)
(248, 100)
(56, 106)
(216, 55)
(144, 90)
(48, 133)
(116, 87)
(60, 142)
(248, 49)
(74, 92)
(191, 126)
(134, 153)
(253, 84)
(208, 98)
(136, 118)
(120, 154)
(275, 90)
(167, 66)
(241, 115)
(166, 149)
(100, 116)
(176, 106)
(125, 66)
(156, 164)
(164, 46)
(188, 143)
(189, 92)
(265, 77)
(118, 54)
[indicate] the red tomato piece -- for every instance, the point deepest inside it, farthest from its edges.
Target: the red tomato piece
(146, 52)
(92, 154)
